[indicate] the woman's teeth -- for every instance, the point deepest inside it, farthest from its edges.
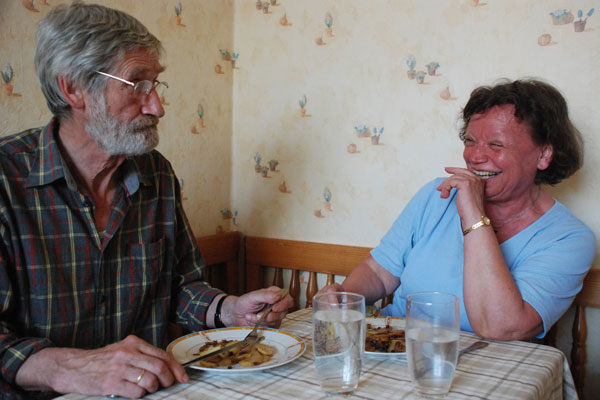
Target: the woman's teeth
(485, 174)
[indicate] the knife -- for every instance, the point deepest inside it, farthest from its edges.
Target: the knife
(244, 343)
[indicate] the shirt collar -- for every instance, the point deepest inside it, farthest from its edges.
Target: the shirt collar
(132, 176)
(49, 165)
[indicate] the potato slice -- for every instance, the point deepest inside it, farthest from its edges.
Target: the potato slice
(265, 349)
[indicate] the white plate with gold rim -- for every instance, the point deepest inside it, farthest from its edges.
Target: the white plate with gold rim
(288, 347)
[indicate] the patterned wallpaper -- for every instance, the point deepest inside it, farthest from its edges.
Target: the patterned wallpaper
(343, 110)
(195, 134)
(319, 119)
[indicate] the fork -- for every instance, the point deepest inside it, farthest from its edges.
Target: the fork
(252, 338)
(253, 335)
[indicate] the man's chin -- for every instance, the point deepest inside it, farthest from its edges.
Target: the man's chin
(133, 149)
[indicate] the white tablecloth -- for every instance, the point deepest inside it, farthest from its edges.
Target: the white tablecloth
(502, 370)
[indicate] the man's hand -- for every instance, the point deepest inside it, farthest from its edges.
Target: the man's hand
(246, 310)
(129, 368)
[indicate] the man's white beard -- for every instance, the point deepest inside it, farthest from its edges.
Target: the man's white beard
(117, 138)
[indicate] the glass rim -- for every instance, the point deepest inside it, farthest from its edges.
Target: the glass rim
(357, 298)
(413, 297)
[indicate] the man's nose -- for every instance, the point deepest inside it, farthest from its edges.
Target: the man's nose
(152, 105)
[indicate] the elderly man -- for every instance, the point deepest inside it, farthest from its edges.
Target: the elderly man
(96, 254)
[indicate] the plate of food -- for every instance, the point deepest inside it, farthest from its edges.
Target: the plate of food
(274, 349)
(385, 337)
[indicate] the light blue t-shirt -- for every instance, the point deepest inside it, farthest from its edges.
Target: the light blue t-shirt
(425, 248)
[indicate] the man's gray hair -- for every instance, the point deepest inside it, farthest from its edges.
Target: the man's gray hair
(76, 40)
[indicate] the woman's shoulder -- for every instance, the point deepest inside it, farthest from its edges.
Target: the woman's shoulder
(429, 189)
(560, 216)
(559, 227)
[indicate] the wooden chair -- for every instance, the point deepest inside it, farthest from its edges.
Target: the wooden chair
(329, 259)
(588, 297)
(221, 254)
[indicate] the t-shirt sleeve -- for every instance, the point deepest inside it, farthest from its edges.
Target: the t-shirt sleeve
(550, 278)
(396, 244)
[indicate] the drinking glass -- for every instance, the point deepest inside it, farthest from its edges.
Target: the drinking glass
(432, 334)
(338, 340)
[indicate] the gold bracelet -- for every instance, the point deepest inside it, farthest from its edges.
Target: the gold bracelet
(484, 221)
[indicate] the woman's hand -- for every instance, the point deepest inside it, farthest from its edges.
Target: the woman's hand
(470, 200)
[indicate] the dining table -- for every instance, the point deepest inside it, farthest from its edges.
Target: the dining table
(502, 370)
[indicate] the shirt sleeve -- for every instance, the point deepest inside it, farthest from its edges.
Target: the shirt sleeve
(14, 347)
(551, 274)
(192, 294)
(396, 244)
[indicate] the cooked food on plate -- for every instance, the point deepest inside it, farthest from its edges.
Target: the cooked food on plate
(385, 339)
(247, 357)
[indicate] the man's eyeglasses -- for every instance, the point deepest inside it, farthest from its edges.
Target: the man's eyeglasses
(141, 89)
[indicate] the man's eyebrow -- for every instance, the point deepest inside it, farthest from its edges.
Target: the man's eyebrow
(142, 70)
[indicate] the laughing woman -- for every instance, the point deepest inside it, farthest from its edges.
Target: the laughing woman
(489, 233)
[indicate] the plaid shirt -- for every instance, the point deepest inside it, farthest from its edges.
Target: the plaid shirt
(64, 284)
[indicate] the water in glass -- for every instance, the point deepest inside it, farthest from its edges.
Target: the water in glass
(432, 336)
(338, 344)
(432, 353)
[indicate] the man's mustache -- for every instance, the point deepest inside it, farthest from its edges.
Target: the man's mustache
(145, 122)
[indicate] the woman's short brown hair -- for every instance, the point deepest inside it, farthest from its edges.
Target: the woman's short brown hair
(545, 110)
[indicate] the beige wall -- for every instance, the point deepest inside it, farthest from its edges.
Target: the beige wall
(356, 74)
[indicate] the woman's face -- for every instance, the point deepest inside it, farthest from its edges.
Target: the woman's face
(500, 150)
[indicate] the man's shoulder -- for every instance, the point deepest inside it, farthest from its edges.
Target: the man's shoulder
(25, 141)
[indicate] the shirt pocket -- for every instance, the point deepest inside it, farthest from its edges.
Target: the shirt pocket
(145, 267)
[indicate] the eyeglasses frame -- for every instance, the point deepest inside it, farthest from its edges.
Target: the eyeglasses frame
(138, 88)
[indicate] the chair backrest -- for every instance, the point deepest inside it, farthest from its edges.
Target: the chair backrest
(221, 254)
(588, 297)
(315, 258)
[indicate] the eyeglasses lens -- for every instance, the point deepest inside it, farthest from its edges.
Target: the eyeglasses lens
(142, 88)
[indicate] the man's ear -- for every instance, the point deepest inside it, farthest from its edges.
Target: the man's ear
(72, 93)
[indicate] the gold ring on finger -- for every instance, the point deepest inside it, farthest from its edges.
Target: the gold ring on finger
(139, 378)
